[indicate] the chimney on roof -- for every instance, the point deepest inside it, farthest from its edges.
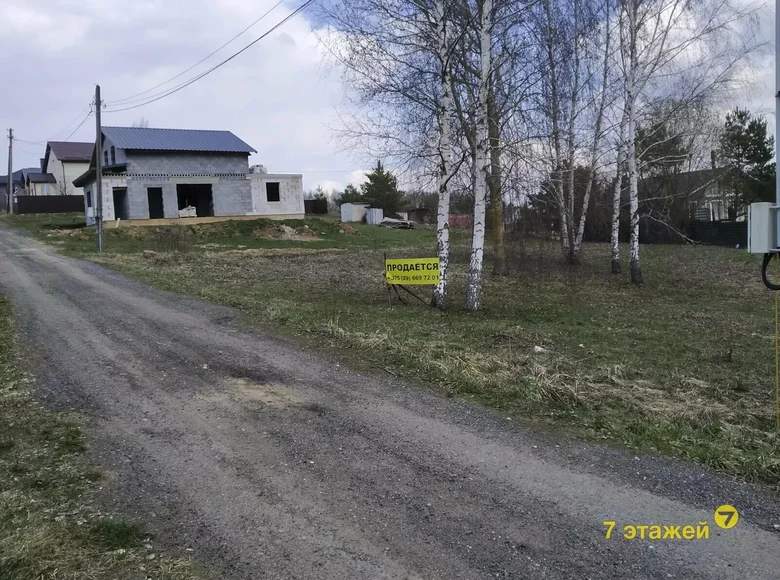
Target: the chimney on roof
(713, 159)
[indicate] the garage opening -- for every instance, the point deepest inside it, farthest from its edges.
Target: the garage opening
(197, 196)
(120, 203)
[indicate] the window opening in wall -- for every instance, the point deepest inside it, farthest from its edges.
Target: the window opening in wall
(113, 155)
(272, 191)
(105, 156)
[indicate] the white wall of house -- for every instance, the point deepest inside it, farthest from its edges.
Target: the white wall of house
(40, 189)
(65, 173)
(290, 194)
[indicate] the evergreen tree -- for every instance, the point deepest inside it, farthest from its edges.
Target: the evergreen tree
(747, 152)
(381, 190)
(351, 194)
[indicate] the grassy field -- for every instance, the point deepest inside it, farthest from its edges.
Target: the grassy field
(681, 366)
(49, 526)
(68, 232)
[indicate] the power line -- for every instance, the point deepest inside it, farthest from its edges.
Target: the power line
(212, 69)
(80, 124)
(29, 142)
(65, 128)
(205, 58)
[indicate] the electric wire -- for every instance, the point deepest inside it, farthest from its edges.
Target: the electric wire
(176, 89)
(205, 58)
(80, 125)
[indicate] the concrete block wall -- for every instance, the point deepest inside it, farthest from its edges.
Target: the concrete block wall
(232, 196)
(170, 200)
(137, 201)
(138, 197)
(227, 174)
(108, 185)
(118, 153)
(186, 163)
(290, 194)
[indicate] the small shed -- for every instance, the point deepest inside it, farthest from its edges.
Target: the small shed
(353, 212)
(374, 216)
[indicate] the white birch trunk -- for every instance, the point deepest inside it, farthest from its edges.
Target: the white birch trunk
(557, 177)
(445, 154)
(480, 167)
(616, 194)
(571, 227)
(594, 146)
(631, 161)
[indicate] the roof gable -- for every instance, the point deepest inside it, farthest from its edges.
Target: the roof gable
(71, 150)
(40, 178)
(146, 139)
(68, 152)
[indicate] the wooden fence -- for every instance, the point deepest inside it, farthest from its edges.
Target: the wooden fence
(27, 204)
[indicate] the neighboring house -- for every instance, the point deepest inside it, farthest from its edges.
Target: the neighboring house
(16, 182)
(171, 173)
(34, 182)
(21, 185)
(689, 195)
(66, 161)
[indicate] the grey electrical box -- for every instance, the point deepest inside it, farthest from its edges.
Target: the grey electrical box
(762, 228)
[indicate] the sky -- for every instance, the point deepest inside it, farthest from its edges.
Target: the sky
(278, 96)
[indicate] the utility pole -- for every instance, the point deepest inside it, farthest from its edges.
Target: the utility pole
(10, 184)
(98, 172)
(777, 127)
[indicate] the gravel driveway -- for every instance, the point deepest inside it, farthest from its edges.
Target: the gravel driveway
(268, 461)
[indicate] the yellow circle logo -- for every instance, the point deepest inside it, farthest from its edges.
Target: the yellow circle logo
(726, 517)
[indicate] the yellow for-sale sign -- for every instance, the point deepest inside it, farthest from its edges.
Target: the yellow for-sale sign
(412, 271)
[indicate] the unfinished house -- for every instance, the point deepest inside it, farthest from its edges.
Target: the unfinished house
(172, 174)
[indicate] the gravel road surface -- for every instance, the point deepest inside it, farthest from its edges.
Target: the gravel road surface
(268, 461)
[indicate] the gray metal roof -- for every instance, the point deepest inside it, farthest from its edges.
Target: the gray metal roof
(71, 150)
(140, 138)
(41, 178)
(19, 175)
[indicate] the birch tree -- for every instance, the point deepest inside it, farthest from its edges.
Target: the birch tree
(687, 48)
(481, 161)
(617, 194)
(577, 55)
(396, 56)
(446, 172)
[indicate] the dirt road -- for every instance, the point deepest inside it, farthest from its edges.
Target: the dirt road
(270, 462)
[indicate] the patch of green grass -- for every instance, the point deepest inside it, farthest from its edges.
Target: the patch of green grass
(117, 534)
(49, 527)
(69, 233)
